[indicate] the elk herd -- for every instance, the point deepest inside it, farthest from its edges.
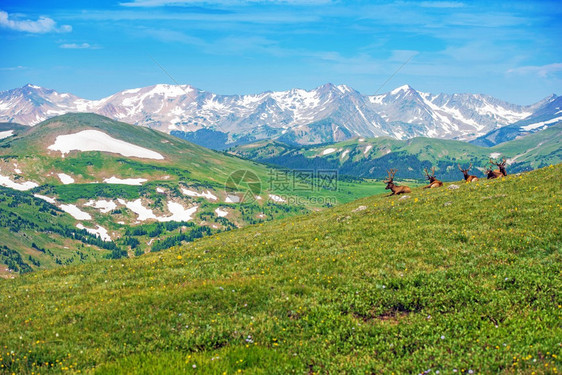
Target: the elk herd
(434, 182)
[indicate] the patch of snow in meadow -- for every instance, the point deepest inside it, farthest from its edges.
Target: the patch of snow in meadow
(179, 213)
(276, 198)
(328, 151)
(232, 199)
(75, 212)
(367, 149)
(100, 231)
(6, 134)
(104, 206)
(23, 186)
(495, 155)
(124, 181)
(65, 179)
(95, 140)
(45, 198)
(207, 194)
(142, 212)
(221, 213)
(160, 190)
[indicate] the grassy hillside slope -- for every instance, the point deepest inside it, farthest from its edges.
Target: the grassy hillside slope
(186, 167)
(460, 280)
(372, 157)
(35, 234)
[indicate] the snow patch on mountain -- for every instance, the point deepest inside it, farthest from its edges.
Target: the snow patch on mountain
(276, 198)
(103, 205)
(6, 134)
(537, 125)
(142, 212)
(100, 231)
(65, 179)
(21, 186)
(45, 198)
(75, 212)
(179, 213)
(207, 194)
(95, 140)
(231, 198)
(220, 212)
(401, 89)
(125, 181)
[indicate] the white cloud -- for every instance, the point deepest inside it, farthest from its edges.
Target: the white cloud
(10, 68)
(41, 26)
(78, 46)
(542, 71)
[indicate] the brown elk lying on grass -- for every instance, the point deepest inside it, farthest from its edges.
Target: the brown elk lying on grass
(396, 190)
(467, 177)
(498, 172)
(433, 181)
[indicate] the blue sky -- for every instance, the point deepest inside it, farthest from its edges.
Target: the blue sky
(510, 50)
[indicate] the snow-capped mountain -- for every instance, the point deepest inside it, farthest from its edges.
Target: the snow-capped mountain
(458, 116)
(548, 113)
(328, 113)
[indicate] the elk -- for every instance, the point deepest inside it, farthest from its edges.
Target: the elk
(467, 177)
(498, 172)
(433, 181)
(396, 190)
(489, 173)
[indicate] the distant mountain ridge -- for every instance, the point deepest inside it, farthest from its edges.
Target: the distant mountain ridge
(329, 113)
(372, 157)
(548, 115)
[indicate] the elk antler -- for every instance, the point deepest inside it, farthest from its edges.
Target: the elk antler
(392, 173)
(469, 167)
(433, 172)
(460, 167)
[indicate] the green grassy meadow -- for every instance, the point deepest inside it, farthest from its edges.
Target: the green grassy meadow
(461, 281)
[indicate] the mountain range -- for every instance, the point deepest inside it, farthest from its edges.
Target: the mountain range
(329, 113)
